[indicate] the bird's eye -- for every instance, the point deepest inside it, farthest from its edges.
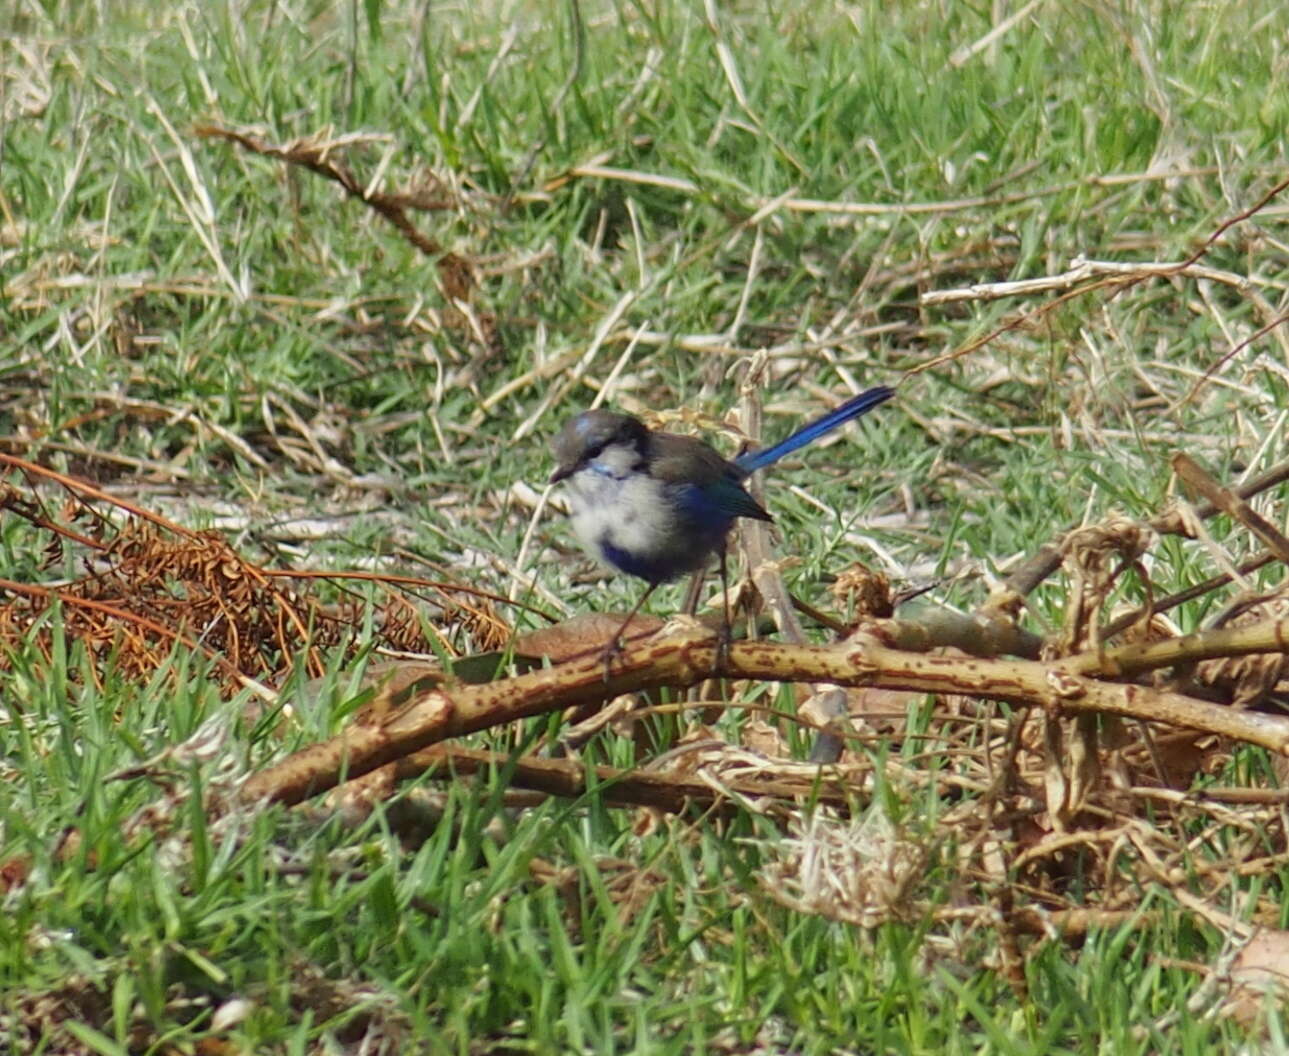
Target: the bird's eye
(594, 452)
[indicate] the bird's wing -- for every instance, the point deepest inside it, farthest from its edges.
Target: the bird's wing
(683, 460)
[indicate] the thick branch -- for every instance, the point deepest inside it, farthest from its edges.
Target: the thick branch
(1266, 636)
(980, 635)
(688, 655)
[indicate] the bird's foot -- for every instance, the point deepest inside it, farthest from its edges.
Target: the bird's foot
(611, 652)
(723, 639)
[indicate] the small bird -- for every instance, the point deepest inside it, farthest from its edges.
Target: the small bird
(655, 505)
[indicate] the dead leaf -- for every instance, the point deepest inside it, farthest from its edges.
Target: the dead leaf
(583, 634)
(761, 737)
(1260, 974)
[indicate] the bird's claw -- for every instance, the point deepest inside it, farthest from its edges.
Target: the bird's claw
(724, 637)
(611, 652)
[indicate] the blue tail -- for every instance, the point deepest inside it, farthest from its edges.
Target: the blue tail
(750, 461)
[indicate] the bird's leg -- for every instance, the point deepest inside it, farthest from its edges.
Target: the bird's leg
(727, 623)
(615, 643)
(693, 592)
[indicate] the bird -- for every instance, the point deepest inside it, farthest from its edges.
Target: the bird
(656, 505)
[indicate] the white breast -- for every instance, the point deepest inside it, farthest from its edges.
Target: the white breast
(611, 502)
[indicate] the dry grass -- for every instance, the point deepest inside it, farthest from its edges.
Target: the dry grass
(328, 311)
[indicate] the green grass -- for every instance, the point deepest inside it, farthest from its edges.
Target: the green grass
(172, 302)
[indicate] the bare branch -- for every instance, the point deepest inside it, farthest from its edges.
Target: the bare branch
(688, 655)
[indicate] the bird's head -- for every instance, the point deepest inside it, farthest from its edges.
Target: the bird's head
(587, 437)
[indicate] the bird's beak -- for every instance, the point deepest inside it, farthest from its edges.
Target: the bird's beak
(561, 473)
